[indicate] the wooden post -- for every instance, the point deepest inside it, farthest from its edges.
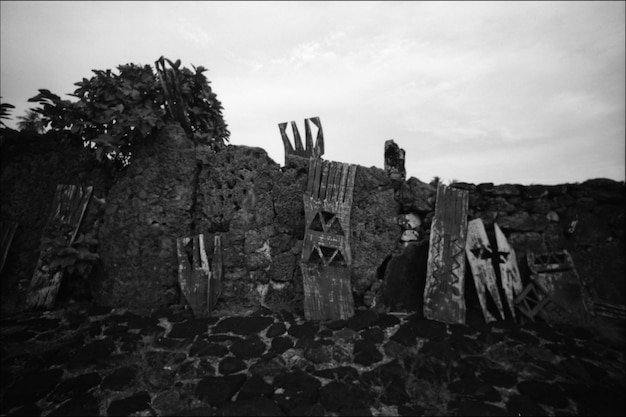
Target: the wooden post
(326, 257)
(479, 254)
(68, 208)
(444, 290)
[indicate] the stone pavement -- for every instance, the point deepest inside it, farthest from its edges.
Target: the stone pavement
(87, 360)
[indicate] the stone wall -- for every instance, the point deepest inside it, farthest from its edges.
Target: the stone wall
(174, 188)
(32, 167)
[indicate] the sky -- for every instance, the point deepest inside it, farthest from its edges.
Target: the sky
(496, 91)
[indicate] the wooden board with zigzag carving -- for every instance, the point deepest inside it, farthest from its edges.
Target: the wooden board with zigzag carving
(444, 292)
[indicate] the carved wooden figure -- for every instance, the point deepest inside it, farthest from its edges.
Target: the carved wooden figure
(314, 150)
(198, 282)
(68, 207)
(326, 256)
(479, 254)
(444, 291)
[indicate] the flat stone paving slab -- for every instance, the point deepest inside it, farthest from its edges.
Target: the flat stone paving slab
(88, 360)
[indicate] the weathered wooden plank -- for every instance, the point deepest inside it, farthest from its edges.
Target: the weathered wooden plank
(8, 231)
(68, 207)
(555, 274)
(326, 256)
(444, 290)
(199, 283)
(509, 271)
(479, 254)
(194, 274)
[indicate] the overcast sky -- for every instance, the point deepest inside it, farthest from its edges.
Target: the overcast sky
(503, 92)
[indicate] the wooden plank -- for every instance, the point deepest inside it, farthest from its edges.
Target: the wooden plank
(200, 282)
(509, 271)
(444, 290)
(326, 256)
(310, 149)
(8, 231)
(479, 254)
(193, 273)
(68, 207)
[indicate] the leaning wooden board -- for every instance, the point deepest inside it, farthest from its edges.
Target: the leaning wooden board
(444, 292)
(509, 271)
(479, 254)
(68, 207)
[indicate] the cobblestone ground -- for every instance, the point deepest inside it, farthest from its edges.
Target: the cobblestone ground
(86, 360)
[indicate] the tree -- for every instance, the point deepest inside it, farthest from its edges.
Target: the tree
(31, 122)
(115, 113)
(5, 111)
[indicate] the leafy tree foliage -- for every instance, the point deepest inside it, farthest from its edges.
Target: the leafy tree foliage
(115, 113)
(31, 122)
(5, 111)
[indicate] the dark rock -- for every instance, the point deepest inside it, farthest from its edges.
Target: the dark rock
(523, 405)
(309, 410)
(92, 353)
(521, 221)
(75, 386)
(498, 378)
(425, 328)
(373, 334)
(231, 365)
(219, 338)
(190, 328)
(120, 378)
(387, 320)
(296, 388)
(602, 401)
(31, 388)
(362, 319)
(242, 325)
(248, 348)
(281, 344)
(202, 348)
(463, 345)
(507, 190)
(413, 411)
(268, 366)
(303, 330)
(318, 353)
(169, 344)
(392, 377)
(217, 390)
(342, 373)
(415, 195)
(405, 278)
(115, 331)
(83, 404)
(523, 337)
(336, 324)
(255, 386)
(475, 388)
(366, 353)
(405, 335)
(256, 406)
(129, 405)
(335, 396)
(543, 392)
(478, 408)
(276, 329)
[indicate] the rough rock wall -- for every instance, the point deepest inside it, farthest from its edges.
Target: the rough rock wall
(32, 167)
(147, 209)
(586, 219)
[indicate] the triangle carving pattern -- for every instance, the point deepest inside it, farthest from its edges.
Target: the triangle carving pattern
(326, 222)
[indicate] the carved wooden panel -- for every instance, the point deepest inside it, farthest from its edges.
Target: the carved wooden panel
(198, 282)
(479, 254)
(509, 271)
(8, 231)
(68, 207)
(444, 291)
(315, 150)
(326, 256)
